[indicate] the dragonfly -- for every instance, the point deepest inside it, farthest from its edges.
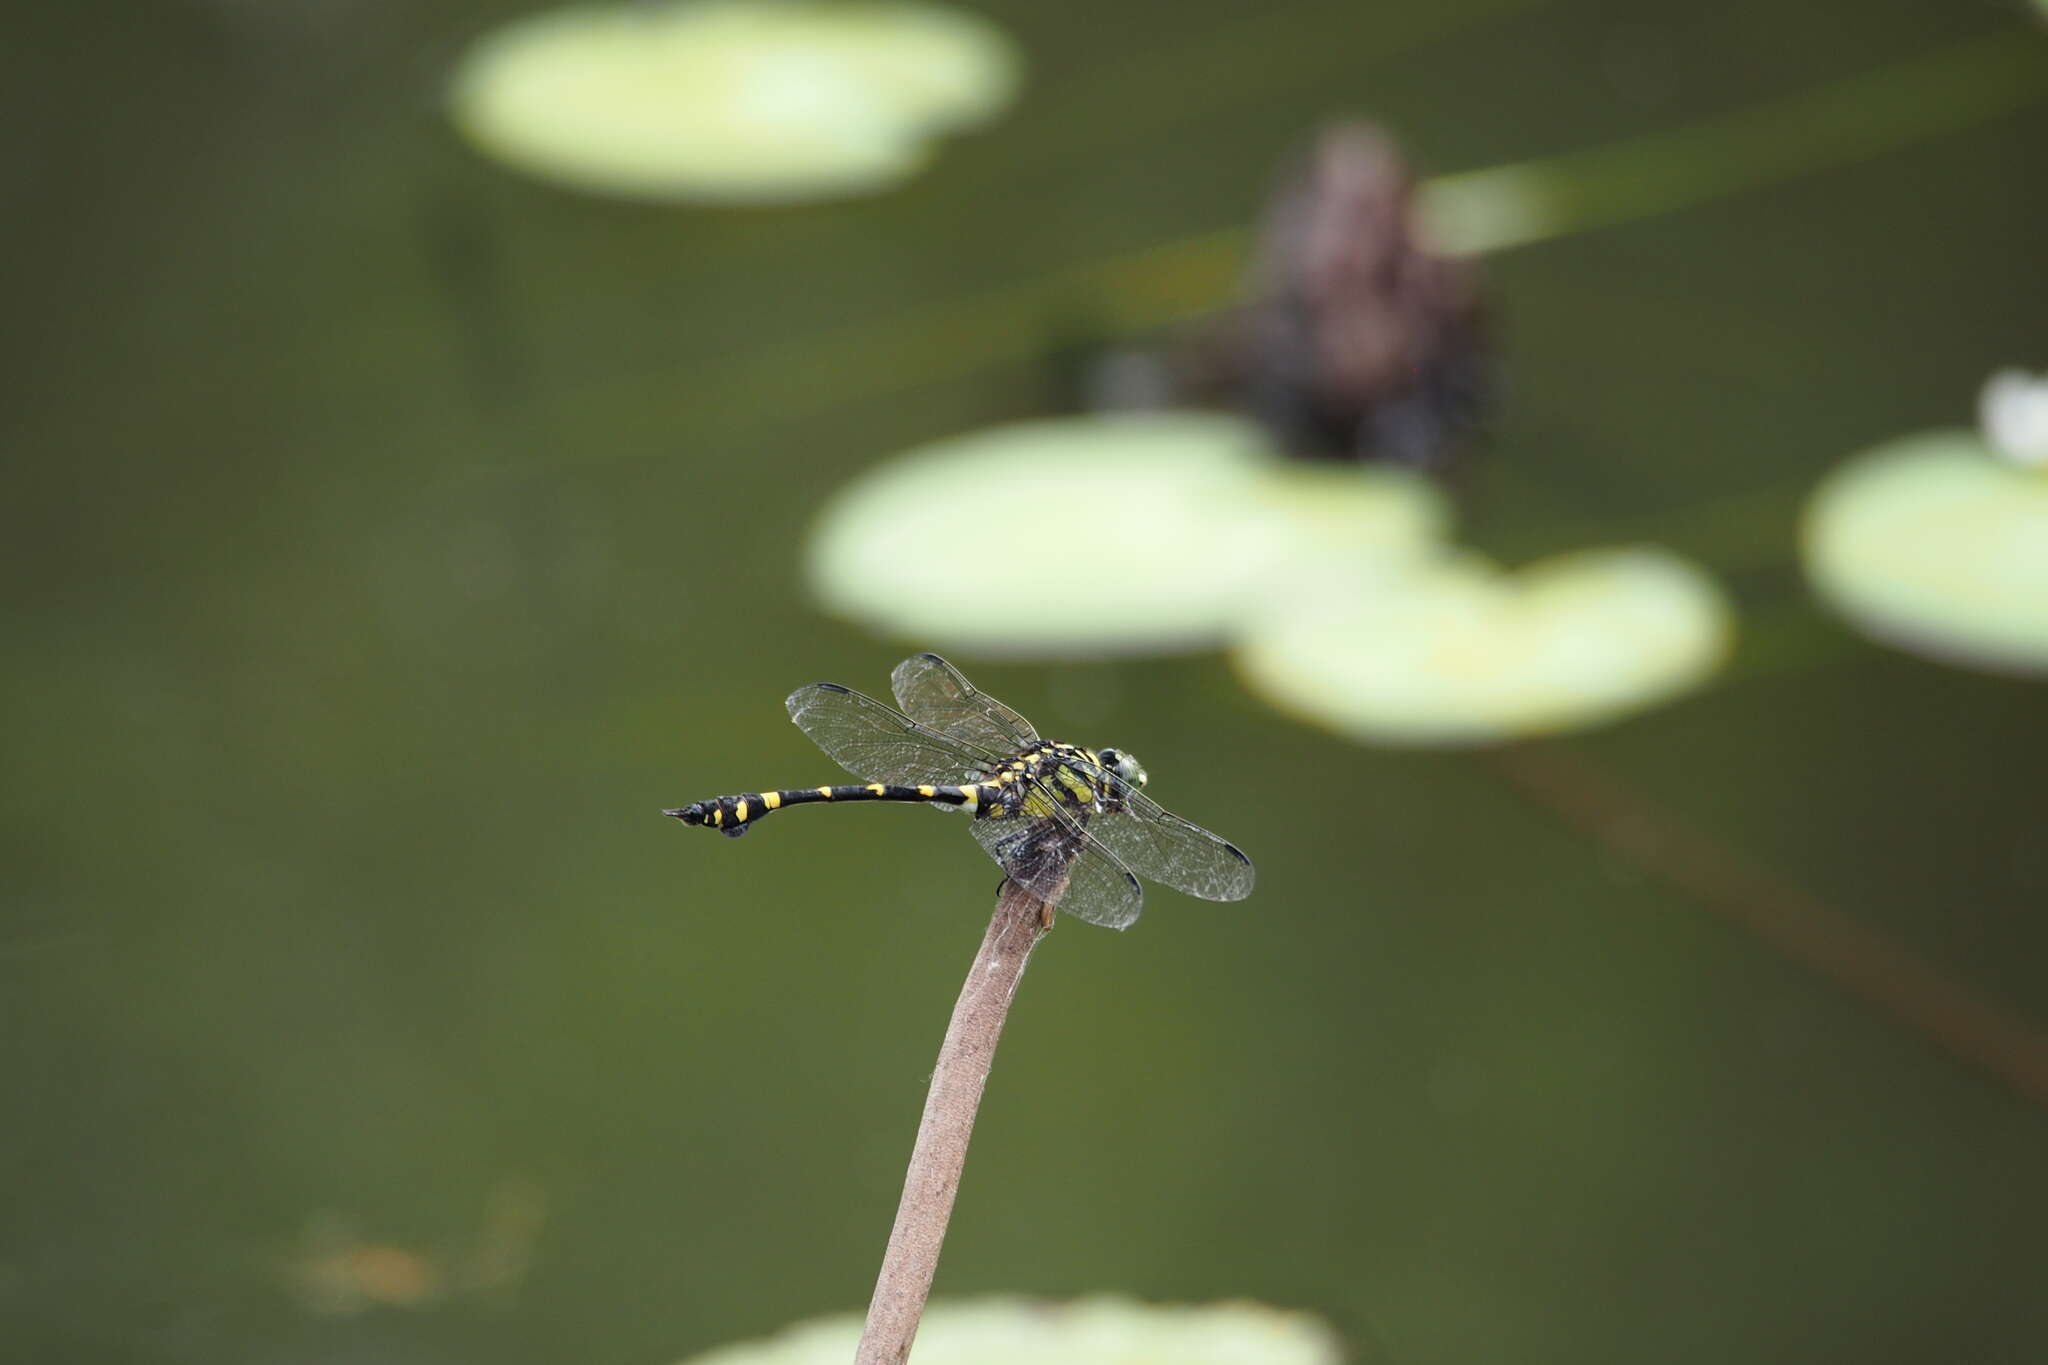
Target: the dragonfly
(1067, 824)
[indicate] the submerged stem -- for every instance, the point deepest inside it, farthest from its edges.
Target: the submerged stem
(949, 1108)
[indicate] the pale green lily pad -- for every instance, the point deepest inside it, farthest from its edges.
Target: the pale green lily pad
(1462, 653)
(1125, 534)
(1937, 545)
(1097, 1331)
(2012, 412)
(731, 100)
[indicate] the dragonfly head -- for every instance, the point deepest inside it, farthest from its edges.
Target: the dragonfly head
(1124, 766)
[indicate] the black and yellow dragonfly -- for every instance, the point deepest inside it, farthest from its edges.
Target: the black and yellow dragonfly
(1067, 824)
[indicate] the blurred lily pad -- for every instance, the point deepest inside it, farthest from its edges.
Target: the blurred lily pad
(1462, 653)
(1104, 535)
(1938, 545)
(731, 100)
(1098, 1331)
(2013, 415)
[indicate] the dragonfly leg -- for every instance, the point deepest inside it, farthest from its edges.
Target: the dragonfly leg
(1044, 911)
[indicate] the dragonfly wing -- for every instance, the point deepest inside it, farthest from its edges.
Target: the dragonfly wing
(1053, 858)
(879, 744)
(1171, 851)
(934, 693)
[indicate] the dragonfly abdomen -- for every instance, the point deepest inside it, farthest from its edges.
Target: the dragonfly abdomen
(735, 815)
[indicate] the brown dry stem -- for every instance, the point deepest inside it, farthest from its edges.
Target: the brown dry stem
(1857, 956)
(949, 1108)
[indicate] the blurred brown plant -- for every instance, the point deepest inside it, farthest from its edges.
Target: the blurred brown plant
(1360, 339)
(337, 1272)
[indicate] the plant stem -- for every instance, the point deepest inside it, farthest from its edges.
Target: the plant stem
(1843, 122)
(1858, 957)
(941, 1151)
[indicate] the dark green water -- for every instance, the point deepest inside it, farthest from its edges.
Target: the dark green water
(391, 539)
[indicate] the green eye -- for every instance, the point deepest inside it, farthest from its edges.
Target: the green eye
(1124, 766)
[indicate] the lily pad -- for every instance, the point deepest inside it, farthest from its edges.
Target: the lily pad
(1097, 1331)
(2012, 413)
(730, 100)
(1127, 534)
(1462, 653)
(1939, 546)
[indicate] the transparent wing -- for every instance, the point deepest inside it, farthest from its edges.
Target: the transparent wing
(878, 744)
(1053, 858)
(933, 692)
(1171, 851)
